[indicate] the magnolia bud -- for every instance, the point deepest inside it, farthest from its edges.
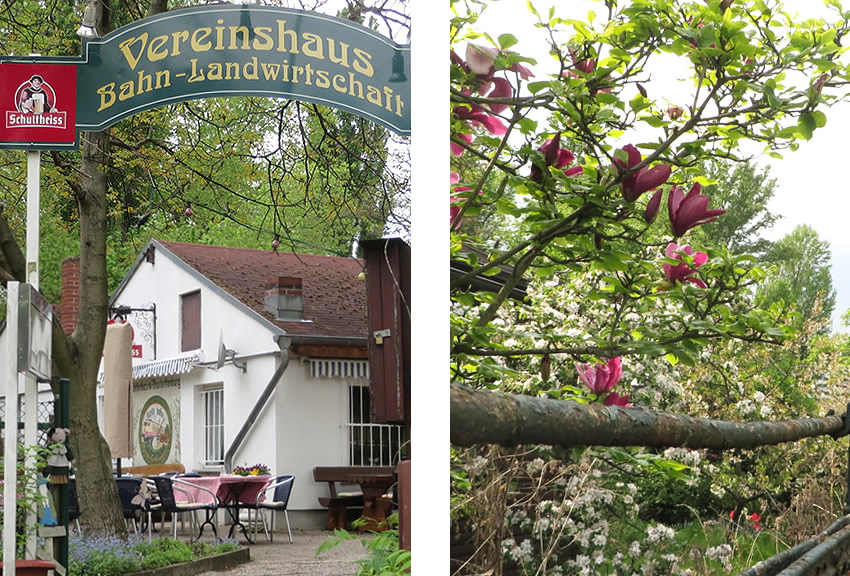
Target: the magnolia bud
(652, 207)
(545, 367)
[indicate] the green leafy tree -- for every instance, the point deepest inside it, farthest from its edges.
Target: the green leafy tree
(744, 192)
(801, 278)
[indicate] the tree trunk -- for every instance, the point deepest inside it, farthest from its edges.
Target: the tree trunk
(484, 417)
(100, 507)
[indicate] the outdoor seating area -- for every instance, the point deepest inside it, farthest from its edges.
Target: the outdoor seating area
(148, 500)
(374, 481)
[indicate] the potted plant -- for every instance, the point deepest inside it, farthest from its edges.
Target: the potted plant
(255, 470)
(29, 501)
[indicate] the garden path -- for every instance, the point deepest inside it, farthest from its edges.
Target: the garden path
(280, 558)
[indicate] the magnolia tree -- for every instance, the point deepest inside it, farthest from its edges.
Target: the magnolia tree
(582, 191)
(589, 172)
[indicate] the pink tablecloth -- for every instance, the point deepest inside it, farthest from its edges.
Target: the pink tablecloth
(225, 488)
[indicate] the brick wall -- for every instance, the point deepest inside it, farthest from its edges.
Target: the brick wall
(70, 294)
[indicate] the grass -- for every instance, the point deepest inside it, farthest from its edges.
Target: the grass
(109, 556)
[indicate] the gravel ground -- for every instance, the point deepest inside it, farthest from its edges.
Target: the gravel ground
(282, 558)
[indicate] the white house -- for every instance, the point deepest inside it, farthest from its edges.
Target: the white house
(248, 356)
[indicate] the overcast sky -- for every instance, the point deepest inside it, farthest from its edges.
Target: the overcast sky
(809, 182)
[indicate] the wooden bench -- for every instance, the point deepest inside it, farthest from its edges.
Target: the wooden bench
(338, 503)
(153, 469)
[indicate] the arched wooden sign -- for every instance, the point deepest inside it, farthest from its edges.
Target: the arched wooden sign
(204, 52)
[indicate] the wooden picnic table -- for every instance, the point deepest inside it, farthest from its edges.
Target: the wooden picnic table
(374, 482)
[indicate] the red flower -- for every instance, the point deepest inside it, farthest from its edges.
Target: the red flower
(642, 180)
(601, 377)
(457, 149)
(756, 519)
(689, 211)
(614, 399)
(555, 156)
(456, 200)
(674, 112)
(477, 116)
(683, 272)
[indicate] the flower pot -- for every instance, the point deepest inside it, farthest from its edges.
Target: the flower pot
(32, 567)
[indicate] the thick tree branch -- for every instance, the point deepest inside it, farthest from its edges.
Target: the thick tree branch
(484, 417)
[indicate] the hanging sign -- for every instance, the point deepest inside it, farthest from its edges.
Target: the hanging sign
(205, 52)
(38, 103)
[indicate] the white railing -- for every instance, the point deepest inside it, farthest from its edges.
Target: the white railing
(375, 444)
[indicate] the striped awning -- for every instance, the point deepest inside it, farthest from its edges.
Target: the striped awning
(324, 368)
(162, 368)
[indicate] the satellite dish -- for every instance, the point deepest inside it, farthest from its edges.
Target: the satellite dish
(222, 350)
(224, 354)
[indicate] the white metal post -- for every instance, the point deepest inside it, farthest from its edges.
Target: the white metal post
(30, 389)
(10, 375)
(33, 208)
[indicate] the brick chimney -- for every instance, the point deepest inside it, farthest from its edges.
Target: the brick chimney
(284, 298)
(70, 294)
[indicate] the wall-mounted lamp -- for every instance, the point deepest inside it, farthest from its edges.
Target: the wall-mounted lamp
(398, 68)
(88, 28)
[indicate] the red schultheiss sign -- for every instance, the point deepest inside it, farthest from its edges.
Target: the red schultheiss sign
(38, 103)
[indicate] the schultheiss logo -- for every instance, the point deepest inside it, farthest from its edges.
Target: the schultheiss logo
(35, 106)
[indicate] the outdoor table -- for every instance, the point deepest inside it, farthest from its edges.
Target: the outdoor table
(231, 491)
(374, 486)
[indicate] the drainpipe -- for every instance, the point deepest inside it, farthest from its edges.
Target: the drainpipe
(285, 344)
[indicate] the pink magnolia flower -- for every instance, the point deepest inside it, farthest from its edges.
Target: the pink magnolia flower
(555, 156)
(614, 399)
(456, 200)
(642, 180)
(674, 112)
(689, 211)
(601, 377)
(457, 149)
(481, 59)
(587, 66)
(682, 272)
(477, 116)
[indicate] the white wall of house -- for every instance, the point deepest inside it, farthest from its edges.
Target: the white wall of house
(304, 423)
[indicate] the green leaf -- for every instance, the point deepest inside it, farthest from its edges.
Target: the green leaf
(535, 87)
(507, 40)
(806, 125)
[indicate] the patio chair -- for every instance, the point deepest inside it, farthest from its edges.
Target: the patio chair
(128, 489)
(282, 486)
(166, 503)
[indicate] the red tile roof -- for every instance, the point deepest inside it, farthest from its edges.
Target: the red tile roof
(334, 298)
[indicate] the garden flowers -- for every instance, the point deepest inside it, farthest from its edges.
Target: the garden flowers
(255, 470)
(555, 156)
(682, 272)
(601, 377)
(644, 179)
(688, 211)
